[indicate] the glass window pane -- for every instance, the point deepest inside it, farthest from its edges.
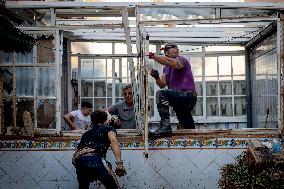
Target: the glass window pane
(186, 48)
(212, 106)
(109, 68)
(74, 67)
(46, 114)
(87, 88)
(74, 62)
(198, 108)
(240, 106)
(119, 84)
(6, 58)
(99, 68)
(226, 106)
(210, 66)
(99, 103)
(238, 65)
(196, 66)
(198, 86)
(101, 48)
(24, 81)
(46, 82)
(134, 48)
(99, 89)
(183, 13)
(109, 102)
(120, 48)
(244, 12)
(121, 68)
(87, 68)
(124, 67)
(224, 65)
(7, 75)
(239, 87)
(151, 88)
(91, 48)
(211, 87)
(22, 106)
(152, 48)
(118, 100)
(225, 85)
(8, 112)
(224, 48)
(26, 58)
(109, 88)
(151, 105)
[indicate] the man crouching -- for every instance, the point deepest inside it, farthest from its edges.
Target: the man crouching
(89, 159)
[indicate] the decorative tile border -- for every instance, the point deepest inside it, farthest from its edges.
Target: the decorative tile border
(218, 143)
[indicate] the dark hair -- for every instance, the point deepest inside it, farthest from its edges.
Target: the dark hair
(168, 46)
(98, 117)
(86, 105)
(129, 86)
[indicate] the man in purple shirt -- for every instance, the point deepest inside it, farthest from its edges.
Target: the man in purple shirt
(181, 95)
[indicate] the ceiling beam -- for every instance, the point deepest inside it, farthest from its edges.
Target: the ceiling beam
(210, 21)
(106, 5)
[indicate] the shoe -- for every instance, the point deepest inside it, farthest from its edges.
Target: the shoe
(164, 130)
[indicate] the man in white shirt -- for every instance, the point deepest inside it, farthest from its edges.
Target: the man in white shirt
(80, 119)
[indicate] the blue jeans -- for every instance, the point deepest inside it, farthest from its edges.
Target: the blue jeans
(182, 102)
(91, 168)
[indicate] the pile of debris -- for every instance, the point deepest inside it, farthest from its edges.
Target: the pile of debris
(257, 167)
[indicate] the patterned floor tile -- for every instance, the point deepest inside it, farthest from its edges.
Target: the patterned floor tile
(204, 158)
(156, 160)
(6, 182)
(27, 182)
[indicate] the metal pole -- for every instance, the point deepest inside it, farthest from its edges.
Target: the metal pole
(279, 71)
(146, 92)
(58, 59)
(14, 90)
(131, 64)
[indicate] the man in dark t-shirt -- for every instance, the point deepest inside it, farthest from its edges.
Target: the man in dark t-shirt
(89, 158)
(124, 110)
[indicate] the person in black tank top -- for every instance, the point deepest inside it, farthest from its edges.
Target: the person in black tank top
(89, 159)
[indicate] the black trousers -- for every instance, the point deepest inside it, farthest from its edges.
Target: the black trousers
(91, 168)
(182, 102)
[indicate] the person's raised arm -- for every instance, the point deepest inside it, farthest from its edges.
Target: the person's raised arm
(174, 63)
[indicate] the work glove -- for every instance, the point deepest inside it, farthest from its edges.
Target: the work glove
(120, 170)
(155, 74)
(150, 55)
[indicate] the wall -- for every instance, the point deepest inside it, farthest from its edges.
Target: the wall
(172, 163)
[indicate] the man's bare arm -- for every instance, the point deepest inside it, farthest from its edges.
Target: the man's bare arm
(161, 82)
(164, 60)
(67, 118)
(114, 146)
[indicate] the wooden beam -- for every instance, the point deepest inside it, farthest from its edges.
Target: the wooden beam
(107, 5)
